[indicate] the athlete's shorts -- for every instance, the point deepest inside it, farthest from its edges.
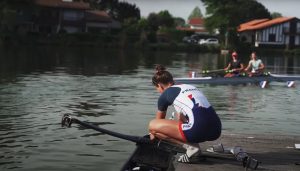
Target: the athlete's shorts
(207, 126)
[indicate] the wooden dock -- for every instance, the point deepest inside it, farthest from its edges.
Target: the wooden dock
(276, 153)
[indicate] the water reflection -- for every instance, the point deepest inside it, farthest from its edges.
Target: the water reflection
(93, 61)
(282, 64)
(113, 89)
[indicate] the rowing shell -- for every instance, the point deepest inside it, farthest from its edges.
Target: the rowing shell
(155, 156)
(237, 80)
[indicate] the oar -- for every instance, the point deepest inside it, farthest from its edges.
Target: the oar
(262, 84)
(289, 83)
(158, 147)
(67, 121)
(212, 71)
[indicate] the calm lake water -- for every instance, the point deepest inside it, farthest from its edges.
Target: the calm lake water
(113, 89)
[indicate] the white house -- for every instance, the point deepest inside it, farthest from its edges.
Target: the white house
(279, 32)
(195, 25)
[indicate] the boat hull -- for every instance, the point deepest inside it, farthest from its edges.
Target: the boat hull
(236, 80)
(155, 156)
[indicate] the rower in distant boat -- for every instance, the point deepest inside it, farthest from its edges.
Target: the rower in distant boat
(197, 120)
(235, 66)
(256, 65)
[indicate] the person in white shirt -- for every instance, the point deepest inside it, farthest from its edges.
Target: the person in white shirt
(256, 65)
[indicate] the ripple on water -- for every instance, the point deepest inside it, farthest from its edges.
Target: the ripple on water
(31, 108)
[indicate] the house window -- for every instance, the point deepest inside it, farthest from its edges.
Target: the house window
(272, 37)
(72, 15)
(285, 30)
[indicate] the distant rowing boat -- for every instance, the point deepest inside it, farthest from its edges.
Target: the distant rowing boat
(237, 80)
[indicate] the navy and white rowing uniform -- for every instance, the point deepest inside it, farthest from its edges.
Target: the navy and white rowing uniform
(203, 124)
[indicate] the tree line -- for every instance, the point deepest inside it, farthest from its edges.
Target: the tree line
(222, 16)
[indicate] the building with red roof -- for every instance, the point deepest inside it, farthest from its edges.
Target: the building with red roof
(64, 4)
(195, 25)
(69, 16)
(278, 32)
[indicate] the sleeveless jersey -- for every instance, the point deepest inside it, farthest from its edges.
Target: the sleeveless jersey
(255, 64)
(184, 99)
(203, 124)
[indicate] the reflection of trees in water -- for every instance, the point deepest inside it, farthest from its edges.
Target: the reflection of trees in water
(86, 61)
(282, 64)
(204, 61)
(94, 61)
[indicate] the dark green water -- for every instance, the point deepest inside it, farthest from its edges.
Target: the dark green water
(113, 89)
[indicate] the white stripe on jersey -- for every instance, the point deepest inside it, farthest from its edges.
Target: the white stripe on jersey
(188, 97)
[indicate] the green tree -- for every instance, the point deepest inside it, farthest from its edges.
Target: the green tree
(196, 13)
(125, 11)
(162, 19)
(120, 11)
(165, 19)
(227, 16)
(143, 24)
(158, 23)
(178, 21)
(276, 15)
(153, 21)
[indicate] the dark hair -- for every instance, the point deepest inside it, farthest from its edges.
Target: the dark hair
(162, 76)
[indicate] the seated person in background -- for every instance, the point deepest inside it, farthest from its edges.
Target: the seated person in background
(256, 65)
(235, 66)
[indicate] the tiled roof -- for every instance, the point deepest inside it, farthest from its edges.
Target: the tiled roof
(63, 4)
(262, 23)
(251, 23)
(190, 29)
(96, 15)
(196, 21)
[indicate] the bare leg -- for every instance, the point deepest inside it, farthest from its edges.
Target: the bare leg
(166, 130)
(169, 130)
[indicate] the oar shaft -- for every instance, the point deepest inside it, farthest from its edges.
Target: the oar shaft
(136, 139)
(212, 71)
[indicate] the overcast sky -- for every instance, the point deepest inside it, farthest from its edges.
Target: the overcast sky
(183, 8)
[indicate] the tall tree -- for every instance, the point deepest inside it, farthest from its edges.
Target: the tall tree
(226, 16)
(276, 15)
(162, 19)
(165, 19)
(120, 11)
(178, 21)
(196, 13)
(153, 22)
